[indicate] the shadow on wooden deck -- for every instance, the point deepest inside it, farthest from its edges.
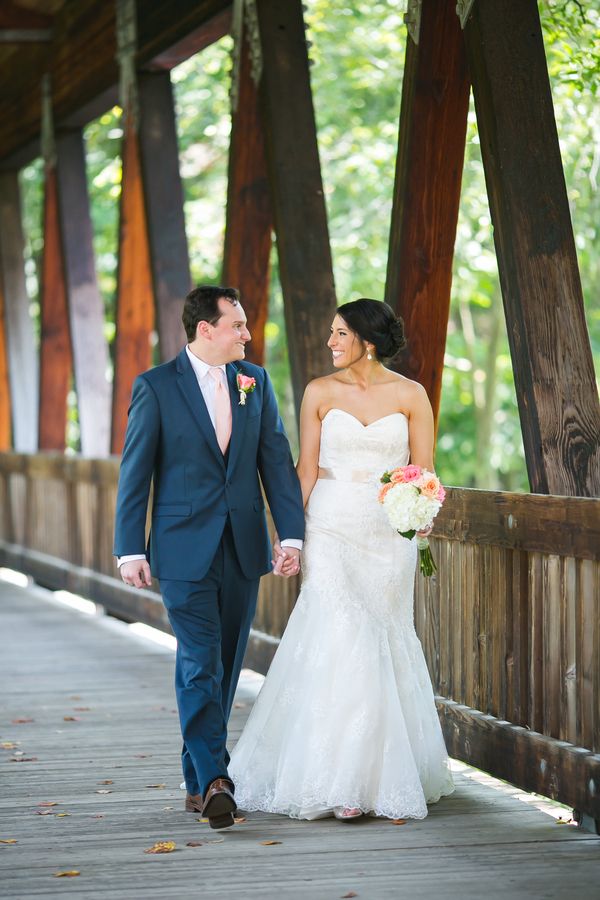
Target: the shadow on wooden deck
(88, 723)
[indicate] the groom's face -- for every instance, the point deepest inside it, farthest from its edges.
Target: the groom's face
(229, 334)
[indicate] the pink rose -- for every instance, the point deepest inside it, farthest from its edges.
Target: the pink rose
(246, 382)
(441, 494)
(397, 476)
(411, 473)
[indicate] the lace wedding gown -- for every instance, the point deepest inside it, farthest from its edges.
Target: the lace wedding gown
(346, 716)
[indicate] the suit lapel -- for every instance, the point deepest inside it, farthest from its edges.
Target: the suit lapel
(188, 385)
(238, 416)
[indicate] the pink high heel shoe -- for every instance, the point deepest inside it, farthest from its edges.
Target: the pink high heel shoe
(347, 813)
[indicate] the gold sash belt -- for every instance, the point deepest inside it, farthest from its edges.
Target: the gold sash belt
(362, 476)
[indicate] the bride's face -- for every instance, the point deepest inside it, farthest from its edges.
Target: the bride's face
(345, 345)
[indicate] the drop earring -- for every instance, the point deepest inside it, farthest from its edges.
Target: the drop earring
(369, 356)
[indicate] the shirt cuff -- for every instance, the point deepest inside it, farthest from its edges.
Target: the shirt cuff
(294, 543)
(124, 559)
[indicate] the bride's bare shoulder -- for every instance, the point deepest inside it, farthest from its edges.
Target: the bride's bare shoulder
(319, 388)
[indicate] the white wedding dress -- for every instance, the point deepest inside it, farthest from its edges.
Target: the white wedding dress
(346, 715)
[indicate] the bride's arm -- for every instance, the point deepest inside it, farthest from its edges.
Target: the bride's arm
(310, 440)
(420, 428)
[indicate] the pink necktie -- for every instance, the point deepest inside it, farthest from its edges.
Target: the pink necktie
(222, 409)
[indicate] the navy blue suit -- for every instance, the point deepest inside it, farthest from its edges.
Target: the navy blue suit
(208, 543)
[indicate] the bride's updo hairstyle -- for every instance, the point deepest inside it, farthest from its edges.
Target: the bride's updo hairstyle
(376, 323)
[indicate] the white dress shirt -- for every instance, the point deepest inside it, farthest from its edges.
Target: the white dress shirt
(207, 385)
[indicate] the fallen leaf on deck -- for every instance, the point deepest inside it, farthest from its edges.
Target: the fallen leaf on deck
(22, 721)
(238, 821)
(106, 781)
(103, 792)
(71, 719)
(162, 847)
(82, 708)
(48, 803)
(44, 812)
(98, 816)
(75, 697)
(23, 759)
(270, 843)
(70, 873)
(168, 807)
(561, 821)
(62, 815)
(8, 841)
(142, 756)
(194, 843)
(350, 894)
(160, 786)
(204, 821)
(398, 821)
(9, 745)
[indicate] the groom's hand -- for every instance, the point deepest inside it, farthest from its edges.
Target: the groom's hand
(287, 560)
(136, 572)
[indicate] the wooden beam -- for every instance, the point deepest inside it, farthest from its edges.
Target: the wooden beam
(249, 217)
(531, 761)
(16, 17)
(541, 288)
(135, 306)
(86, 308)
(299, 211)
(22, 351)
(82, 59)
(431, 145)
(192, 42)
(163, 195)
(56, 363)
(5, 406)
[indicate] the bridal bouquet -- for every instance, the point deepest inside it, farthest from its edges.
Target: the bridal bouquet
(412, 497)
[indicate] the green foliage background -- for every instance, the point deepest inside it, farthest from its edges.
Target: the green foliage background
(357, 56)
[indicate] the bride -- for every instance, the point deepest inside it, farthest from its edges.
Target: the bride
(345, 723)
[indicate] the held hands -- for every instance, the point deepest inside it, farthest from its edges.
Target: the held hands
(425, 532)
(286, 561)
(136, 572)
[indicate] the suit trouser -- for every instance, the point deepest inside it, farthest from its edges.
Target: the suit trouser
(211, 620)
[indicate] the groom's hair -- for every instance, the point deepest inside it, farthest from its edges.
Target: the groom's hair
(202, 305)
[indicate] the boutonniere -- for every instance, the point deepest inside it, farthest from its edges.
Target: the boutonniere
(245, 385)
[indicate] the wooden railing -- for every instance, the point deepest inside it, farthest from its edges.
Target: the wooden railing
(510, 624)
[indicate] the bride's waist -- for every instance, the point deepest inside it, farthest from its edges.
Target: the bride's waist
(348, 474)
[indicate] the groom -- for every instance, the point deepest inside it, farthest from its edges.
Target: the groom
(203, 428)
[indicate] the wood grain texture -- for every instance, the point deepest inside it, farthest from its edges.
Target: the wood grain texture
(163, 195)
(82, 61)
(56, 359)
(135, 301)
(20, 337)
(537, 261)
(249, 219)
(298, 201)
(431, 146)
(85, 304)
(5, 404)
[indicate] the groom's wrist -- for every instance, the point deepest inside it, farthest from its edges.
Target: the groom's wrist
(293, 543)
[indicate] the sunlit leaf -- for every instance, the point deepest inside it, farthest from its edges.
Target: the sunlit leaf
(71, 719)
(8, 841)
(159, 786)
(48, 803)
(162, 847)
(106, 781)
(70, 873)
(270, 843)
(103, 791)
(9, 745)
(22, 721)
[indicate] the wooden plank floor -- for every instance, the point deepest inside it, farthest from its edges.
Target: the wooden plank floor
(56, 663)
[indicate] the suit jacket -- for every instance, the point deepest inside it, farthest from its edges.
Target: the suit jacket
(171, 441)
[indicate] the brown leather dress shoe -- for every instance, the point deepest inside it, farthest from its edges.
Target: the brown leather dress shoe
(193, 803)
(219, 804)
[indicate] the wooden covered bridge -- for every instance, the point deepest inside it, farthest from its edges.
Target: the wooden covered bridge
(510, 625)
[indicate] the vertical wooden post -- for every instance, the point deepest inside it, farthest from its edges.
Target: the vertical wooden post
(22, 351)
(86, 309)
(5, 406)
(56, 363)
(249, 218)
(135, 307)
(541, 288)
(163, 195)
(431, 145)
(296, 185)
